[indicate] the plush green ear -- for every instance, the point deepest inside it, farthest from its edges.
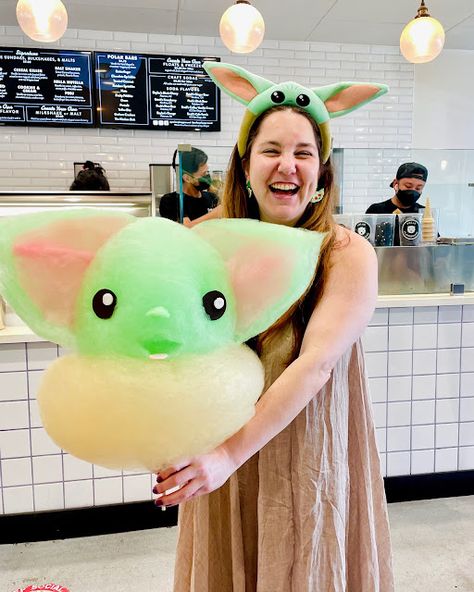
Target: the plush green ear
(43, 260)
(237, 82)
(344, 97)
(270, 267)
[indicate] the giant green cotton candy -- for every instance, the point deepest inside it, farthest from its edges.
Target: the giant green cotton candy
(156, 313)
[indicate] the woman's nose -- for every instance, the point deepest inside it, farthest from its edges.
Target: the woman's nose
(287, 165)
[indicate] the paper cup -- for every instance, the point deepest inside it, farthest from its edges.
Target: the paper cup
(410, 229)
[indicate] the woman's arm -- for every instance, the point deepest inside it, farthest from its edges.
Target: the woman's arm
(212, 215)
(337, 322)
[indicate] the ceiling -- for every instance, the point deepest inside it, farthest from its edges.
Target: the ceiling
(340, 21)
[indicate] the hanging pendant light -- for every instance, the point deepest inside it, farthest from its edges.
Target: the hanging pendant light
(423, 38)
(242, 27)
(42, 20)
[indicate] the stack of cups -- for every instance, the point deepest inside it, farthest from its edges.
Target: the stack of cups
(378, 229)
(410, 229)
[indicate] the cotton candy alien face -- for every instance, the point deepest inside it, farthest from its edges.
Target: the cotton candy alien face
(111, 284)
(143, 298)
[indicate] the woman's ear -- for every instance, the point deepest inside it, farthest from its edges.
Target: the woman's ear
(246, 167)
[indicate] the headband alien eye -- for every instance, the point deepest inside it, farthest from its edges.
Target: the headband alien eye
(322, 103)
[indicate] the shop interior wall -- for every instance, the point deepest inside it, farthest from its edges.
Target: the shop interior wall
(444, 90)
(42, 158)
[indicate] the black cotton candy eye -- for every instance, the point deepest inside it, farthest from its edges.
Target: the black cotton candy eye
(214, 304)
(277, 96)
(302, 100)
(104, 303)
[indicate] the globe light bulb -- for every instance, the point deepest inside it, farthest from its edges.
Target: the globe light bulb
(42, 20)
(242, 27)
(423, 38)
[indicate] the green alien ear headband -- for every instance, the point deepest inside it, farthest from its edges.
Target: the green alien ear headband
(322, 103)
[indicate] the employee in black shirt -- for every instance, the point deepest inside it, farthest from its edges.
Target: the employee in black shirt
(408, 186)
(197, 200)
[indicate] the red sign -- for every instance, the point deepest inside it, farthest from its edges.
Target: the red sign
(44, 588)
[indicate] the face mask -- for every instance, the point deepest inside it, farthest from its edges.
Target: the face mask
(408, 197)
(204, 182)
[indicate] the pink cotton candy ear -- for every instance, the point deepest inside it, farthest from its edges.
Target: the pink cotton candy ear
(260, 281)
(350, 97)
(51, 262)
(235, 83)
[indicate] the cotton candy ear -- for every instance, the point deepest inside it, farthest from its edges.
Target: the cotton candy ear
(344, 97)
(43, 260)
(270, 266)
(236, 82)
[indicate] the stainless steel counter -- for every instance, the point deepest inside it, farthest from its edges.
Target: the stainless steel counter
(427, 269)
(138, 203)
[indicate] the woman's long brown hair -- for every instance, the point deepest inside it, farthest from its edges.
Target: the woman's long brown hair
(318, 216)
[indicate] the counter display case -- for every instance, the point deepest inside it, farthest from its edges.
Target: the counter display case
(367, 173)
(137, 203)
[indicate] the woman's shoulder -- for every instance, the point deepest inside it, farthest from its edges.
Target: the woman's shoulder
(351, 250)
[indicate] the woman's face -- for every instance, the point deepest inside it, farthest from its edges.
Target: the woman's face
(283, 167)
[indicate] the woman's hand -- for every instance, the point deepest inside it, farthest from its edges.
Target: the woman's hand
(194, 476)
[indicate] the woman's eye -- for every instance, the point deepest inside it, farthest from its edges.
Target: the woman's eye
(305, 154)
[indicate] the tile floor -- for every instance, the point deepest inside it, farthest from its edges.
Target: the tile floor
(433, 545)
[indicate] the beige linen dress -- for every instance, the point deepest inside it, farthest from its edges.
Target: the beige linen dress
(305, 514)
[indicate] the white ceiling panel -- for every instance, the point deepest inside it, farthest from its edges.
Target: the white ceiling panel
(198, 23)
(292, 20)
(460, 38)
(345, 21)
(8, 13)
(369, 33)
(121, 18)
(130, 4)
(402, 11)
(216, 6)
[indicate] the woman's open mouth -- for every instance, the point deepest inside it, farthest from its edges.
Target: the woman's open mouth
(284, 189)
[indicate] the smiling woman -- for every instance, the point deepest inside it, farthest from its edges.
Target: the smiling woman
(283, 168)
(305, 469)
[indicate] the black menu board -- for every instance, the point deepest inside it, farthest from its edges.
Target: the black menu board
(156, 92)
(46, 87)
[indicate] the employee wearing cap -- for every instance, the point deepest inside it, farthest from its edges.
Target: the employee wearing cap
(408, 186)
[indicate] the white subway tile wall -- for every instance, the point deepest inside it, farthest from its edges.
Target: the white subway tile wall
(424, 421)
(33, 158)
(422, 361)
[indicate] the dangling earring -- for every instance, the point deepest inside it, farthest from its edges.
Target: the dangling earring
(249, 188)
(318, 196)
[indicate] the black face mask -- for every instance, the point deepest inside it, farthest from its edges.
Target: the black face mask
(408, 197)
(204, 182)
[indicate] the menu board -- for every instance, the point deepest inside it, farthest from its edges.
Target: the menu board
(46, 87)
(156, 92)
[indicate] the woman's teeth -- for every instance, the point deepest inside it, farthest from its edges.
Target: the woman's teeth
(289, 188)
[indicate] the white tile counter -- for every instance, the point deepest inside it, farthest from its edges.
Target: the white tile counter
(420, 359)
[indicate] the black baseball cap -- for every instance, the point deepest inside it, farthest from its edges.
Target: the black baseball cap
(411, 170)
